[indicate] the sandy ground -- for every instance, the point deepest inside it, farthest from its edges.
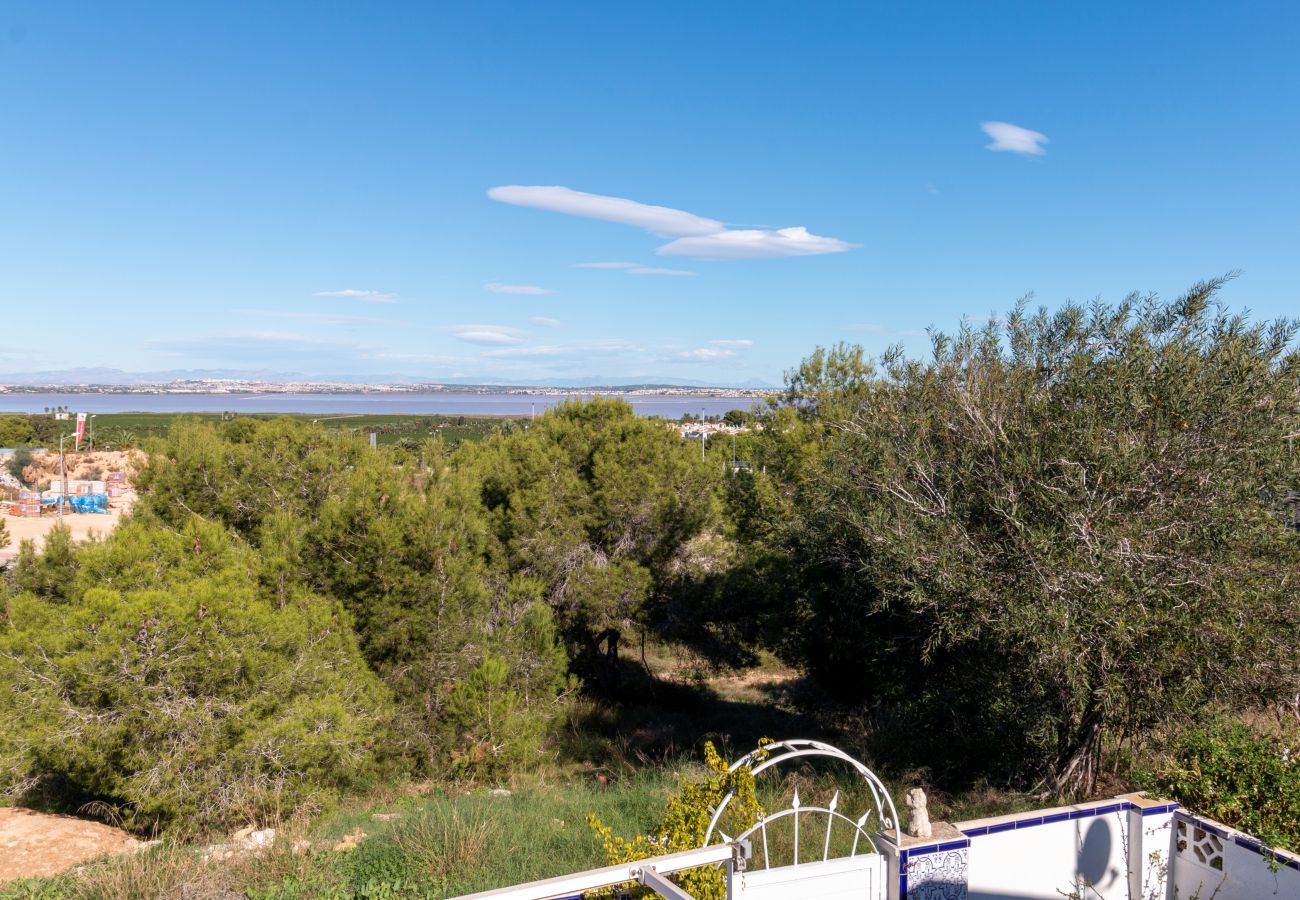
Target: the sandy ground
(36, 844)
(82, 526)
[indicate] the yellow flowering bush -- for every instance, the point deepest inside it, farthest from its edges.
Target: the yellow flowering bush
(686, 821)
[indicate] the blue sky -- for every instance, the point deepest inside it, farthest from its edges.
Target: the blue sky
(387, 188)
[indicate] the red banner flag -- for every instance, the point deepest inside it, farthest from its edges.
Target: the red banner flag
(81, 428)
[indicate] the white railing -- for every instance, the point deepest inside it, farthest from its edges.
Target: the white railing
(648, 871)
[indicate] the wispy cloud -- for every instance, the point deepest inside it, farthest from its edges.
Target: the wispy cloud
(872, 328)
(734, 343)
(633, 268)
(1014, 139)
(487, 334)
(543, 322)
(576, 349)
(755, 243)
(660, 220)
(695, 236)
(497, 287)
(704, 354)
(364, 296)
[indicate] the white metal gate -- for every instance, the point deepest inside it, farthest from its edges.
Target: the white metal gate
(846, 878)
(854, 871)
(858, 873)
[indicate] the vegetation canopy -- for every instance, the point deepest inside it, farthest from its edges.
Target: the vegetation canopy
(1064, 528)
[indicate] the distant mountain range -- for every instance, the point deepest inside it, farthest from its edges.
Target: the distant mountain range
(109, 377)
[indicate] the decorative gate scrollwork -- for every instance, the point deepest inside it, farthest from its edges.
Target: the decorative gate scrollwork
(879, 816)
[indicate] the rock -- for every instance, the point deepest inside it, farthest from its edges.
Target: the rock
(501, 792)
(146, 846)
(350, 842)
(258, 840)
(218, 852)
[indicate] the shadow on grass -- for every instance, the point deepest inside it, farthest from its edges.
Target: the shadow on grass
(653, 719)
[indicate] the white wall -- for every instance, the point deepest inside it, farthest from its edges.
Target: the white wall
(1227, 867)
(1048, 853)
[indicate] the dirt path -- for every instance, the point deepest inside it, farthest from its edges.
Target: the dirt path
(34, 844)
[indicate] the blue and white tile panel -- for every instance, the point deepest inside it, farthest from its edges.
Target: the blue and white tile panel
(934, 872)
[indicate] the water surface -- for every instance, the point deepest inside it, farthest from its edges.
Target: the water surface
(448, 404)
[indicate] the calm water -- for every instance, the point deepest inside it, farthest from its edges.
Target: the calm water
(373, 404)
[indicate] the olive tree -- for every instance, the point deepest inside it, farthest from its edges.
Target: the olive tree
(1061, 530)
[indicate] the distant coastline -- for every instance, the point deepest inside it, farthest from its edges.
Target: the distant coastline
(333, 399)
(326, 387)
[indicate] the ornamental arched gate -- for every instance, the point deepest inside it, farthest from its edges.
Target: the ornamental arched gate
(807, 862)
(799, 851)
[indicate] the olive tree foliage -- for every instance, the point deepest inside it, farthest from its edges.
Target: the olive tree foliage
(1059, 532)
(599, 507)
(403, 543)
(161, 677)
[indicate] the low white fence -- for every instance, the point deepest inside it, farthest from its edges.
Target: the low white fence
(1129, 848)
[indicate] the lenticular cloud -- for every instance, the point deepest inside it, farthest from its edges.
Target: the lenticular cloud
(694, 236)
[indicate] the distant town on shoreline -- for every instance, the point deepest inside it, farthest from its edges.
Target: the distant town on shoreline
(329, 387)
(112, 381)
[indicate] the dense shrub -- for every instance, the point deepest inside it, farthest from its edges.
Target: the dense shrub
(17, 464)
(15, 431)
(165, 680)
(406, 547)
(1242, 776)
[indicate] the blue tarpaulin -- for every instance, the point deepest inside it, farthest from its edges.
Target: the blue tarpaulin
(82, 503)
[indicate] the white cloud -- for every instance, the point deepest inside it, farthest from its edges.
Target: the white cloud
(487, 334)
(365, 296)
(497, 287)
(704, 354)
(695, 235)
(755, 243)
(576, 349)
(543, 322)
(633, 268)
(1014, 138)
(661, 220)
(739, 342)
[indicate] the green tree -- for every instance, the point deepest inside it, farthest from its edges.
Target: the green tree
(1060, 531)
(405, 546)
(17, 464)
(165, 682)
(16, 431)
(598, 506)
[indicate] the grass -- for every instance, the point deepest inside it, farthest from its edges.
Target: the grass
(618, 761)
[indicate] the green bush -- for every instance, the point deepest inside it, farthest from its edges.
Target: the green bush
(163, 679)
(15, 431)
(1240, 776)
(18, 462)
(407, 550)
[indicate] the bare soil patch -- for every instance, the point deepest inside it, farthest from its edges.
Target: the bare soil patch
(37, 845)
